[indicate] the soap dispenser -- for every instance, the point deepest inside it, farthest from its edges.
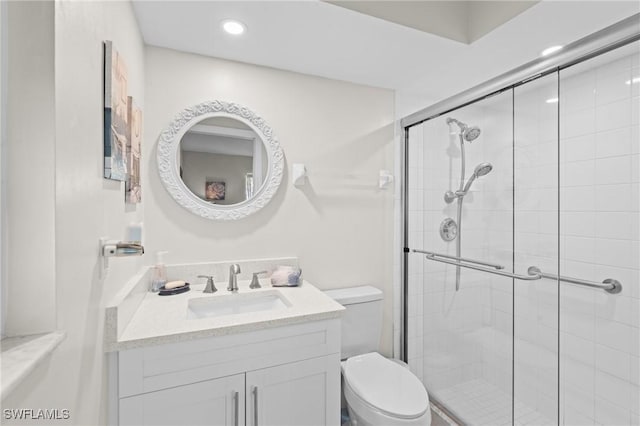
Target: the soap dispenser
(159, 273)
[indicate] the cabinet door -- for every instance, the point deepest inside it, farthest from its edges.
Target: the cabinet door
(218, 402)
(297, 394)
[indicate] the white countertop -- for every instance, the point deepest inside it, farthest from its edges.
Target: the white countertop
(163, 319)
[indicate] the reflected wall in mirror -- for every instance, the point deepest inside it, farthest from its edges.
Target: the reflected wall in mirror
(220, 160)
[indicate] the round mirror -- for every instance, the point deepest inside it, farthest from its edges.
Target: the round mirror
(220, 160)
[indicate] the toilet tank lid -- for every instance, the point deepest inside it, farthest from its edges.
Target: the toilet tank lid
(351, 295)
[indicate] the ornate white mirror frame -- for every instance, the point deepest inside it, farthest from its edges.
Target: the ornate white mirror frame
(169, 167)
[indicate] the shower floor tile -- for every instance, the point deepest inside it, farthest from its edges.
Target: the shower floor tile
(478, 402)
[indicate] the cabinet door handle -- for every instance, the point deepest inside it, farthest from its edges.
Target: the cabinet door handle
(255, 406)
(236, 408)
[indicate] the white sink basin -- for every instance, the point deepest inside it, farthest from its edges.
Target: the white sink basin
(233, 304)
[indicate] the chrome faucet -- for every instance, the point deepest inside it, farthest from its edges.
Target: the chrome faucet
(234, 270)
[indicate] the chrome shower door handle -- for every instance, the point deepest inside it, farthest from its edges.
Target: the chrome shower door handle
(255, 406)
(236, 408)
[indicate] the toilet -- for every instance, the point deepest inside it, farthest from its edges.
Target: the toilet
(378, 391)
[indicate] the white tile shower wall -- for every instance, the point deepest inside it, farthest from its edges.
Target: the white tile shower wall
(599, 239)
(443, 335)
(495, 232)
(536, 243)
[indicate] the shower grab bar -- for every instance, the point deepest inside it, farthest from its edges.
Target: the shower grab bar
(609, 285)
(462, 259)
(534, 273)
(531, 277)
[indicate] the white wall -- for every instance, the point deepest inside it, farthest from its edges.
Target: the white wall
(87, 207)
(3, 163)
(339, 225)
(30, 169)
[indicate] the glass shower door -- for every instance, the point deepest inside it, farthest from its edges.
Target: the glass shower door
(460, 320)
(551, 195)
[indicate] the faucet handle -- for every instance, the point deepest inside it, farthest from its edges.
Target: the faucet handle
(210, 287)
(255, 282)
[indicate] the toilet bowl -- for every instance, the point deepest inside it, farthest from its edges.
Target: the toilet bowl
(377, 390)
(380, 392)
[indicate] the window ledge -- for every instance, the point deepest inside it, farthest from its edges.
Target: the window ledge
(21, 355)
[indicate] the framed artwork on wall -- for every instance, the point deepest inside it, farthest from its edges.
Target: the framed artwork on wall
(133, 189)
(115, 114)
(215, 190)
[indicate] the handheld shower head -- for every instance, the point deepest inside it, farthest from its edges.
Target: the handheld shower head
(481, 169)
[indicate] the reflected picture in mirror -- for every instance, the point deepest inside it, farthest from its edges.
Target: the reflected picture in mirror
(222, 160)
(214, 191)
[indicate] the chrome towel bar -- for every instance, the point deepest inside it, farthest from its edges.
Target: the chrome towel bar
(609, 285)
(480, 268)
(462, 259)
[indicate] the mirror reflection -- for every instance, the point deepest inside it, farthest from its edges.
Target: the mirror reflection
(222, 160)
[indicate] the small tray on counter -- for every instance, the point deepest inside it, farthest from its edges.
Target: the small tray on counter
(172, 291)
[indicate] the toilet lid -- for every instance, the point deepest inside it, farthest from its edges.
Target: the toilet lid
(386, 385)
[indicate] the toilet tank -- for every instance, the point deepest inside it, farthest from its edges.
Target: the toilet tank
(362, 321)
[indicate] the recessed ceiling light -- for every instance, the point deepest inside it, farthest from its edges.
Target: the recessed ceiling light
(233, 27)
(549, 50)
(634, 80)
(552, 100)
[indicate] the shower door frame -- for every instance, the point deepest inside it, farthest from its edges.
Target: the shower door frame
(610, 38)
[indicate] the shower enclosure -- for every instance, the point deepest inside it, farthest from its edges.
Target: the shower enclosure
(522, 281)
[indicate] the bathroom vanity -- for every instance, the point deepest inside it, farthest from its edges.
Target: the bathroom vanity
(271, 356)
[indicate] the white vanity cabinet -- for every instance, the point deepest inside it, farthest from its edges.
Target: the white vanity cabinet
(293, 394)
(288, 375)
(212, 402)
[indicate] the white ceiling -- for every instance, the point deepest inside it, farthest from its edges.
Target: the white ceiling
(460, 20)
(322, 39)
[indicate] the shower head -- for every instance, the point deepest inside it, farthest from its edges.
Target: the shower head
(471, 133)
(481, 169)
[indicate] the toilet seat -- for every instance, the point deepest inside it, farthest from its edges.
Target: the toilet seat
(386, 386)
